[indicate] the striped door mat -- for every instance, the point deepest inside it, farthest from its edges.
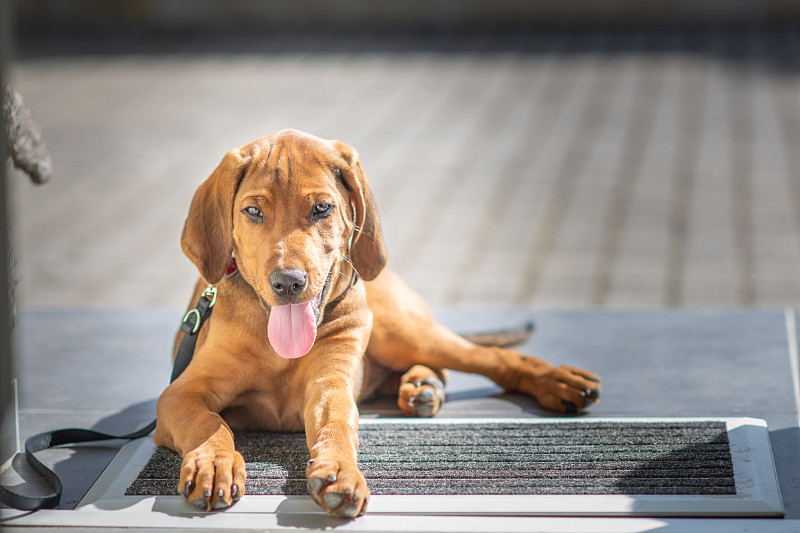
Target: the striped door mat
(651, 467)
(493, 458)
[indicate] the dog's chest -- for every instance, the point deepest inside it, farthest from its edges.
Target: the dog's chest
(276, 409)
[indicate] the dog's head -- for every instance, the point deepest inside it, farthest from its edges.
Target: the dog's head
(294, 210)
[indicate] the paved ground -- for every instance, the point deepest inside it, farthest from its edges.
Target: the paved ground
(551, 169)
(554, 169)
(686, 363)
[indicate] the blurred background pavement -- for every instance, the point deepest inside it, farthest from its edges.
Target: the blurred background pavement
(541, 154)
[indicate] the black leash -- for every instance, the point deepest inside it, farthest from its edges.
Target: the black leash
(190, 325)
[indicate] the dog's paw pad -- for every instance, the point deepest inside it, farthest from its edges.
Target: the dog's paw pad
(315, 485)
(349, 511)
(427, 395)
(199, 502)
(569, 407)
(333, 500)
(423, 398)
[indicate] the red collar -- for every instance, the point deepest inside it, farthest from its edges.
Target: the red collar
(232, 268)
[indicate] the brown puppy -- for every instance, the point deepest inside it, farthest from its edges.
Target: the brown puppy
(285, 348)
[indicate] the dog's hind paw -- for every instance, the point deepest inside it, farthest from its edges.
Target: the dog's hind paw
(566, 389)
(421, 397)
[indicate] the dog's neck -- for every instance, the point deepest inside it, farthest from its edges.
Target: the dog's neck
(353, 280)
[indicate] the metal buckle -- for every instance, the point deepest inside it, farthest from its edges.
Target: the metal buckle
(196, 314)
(212, 292)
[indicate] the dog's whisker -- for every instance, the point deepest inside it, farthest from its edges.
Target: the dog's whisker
(361, 231)
(347, 258)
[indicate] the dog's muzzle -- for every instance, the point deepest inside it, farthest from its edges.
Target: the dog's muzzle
(292, 328)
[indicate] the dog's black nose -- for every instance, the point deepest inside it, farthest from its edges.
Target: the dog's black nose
(287, 283)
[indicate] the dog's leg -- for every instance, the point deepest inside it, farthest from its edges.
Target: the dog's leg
(212, 474)
(421, 392)
(405, 334)
(331, 419)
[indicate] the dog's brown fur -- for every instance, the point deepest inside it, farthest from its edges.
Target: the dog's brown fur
(236, 379)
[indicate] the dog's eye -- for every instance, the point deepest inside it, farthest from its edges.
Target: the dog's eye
(321, 210)
(253, 213)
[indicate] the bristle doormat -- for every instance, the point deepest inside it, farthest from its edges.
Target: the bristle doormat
(632, 458)
(529, 467)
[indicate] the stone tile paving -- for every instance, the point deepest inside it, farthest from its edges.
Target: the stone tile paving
(551, 169)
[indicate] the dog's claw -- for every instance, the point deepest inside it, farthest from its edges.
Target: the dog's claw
(213, 499)
(590, 397)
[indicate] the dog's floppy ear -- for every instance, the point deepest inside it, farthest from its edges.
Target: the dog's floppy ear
(207, 237)
(367, 252)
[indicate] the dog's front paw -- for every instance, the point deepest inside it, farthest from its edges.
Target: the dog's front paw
(338, 487)
(212, 479)
(567, 389)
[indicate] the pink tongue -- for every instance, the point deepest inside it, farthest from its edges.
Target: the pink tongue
(292, 329)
